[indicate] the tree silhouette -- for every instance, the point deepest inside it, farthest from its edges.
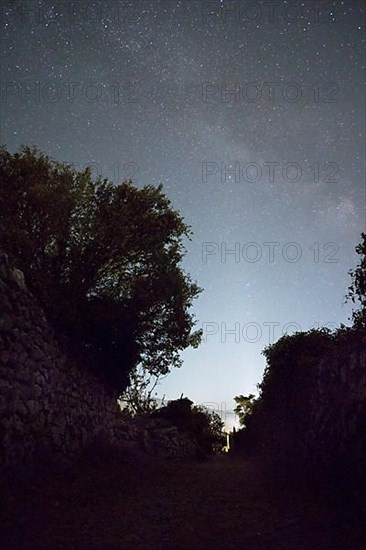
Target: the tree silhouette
(244, 407)
(104, 261)
(357, 290)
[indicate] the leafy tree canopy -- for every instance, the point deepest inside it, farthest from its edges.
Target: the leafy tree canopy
(103, 259)
(357, 289)
(289, 359)
(244, 407)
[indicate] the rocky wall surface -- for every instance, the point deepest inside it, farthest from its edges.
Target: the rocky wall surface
(321, 427)
(51, 408)
(336, 430)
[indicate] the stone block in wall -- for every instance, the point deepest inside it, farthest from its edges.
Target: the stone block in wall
(36, 354)
(16, 425)
(4, 357)
(20, 408)
(15, 334)
(6, 322)
(34, 408)
(361, 390)
(18, 277)
(57, 438)
(25, 377)
(38, 392)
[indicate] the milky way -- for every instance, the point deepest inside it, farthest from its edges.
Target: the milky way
(251, 114)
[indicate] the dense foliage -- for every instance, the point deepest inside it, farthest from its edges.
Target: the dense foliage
(357, 290)
(288, 380)
(244, 407)
(288, 357)
(103, 259)
(285, 388)
(202, 425)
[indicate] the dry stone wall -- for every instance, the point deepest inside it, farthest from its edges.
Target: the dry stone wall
(50, 407)
(158, 437)
(336, 431)
(321, 428)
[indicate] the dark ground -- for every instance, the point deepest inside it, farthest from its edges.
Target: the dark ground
(141, 503)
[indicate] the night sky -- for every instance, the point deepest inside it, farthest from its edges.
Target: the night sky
(251, 114)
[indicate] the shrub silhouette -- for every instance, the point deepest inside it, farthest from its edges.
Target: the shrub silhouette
(205, 427)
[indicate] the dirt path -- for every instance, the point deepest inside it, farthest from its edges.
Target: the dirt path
(222, 503)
